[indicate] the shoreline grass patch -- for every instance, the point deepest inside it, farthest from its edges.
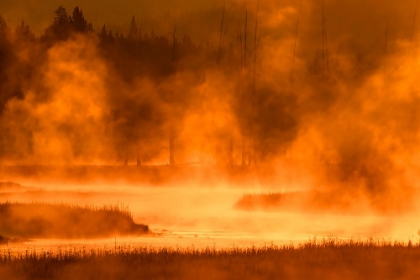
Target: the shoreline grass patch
(42, 220)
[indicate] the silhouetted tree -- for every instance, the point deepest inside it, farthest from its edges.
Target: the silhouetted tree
(8, 89)
(61, 27)
(118, 36)
(23, 33)
(4, 29)
(5, 45)
(78, 21)
(103, 33)
(133, 32)
(106, 37)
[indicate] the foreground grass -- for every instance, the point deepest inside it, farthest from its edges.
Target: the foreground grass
(329, 259)
(41, 220)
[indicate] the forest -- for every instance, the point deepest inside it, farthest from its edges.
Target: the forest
(119, 97)
(303, 89)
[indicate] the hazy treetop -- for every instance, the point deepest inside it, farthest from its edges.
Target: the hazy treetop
(38, 14)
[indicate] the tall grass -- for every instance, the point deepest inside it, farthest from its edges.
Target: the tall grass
(327, 259)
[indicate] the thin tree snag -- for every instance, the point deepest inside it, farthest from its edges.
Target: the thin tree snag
(414, 21)
(138, 154)
(172, 148)
(244, 66)
(292, 66)
(325, 61)
(253, 157)
(219, 53)
(171, 129)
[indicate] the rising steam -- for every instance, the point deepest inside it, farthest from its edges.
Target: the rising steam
(332, 97)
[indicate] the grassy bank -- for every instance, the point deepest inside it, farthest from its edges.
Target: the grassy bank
(307, 201)
(328, 259)
(38, 220)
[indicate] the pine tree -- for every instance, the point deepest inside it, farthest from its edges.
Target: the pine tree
(24, 33)
(106, 37)
(111, 38)
(60, 29)
(78, 21)
(103, 35)
(133, 31)
(7, 57)
(5, 35)
(4, 29)
(61, 17)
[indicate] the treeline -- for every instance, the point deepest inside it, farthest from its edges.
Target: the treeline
(143, 121)
(148, 54)
(315, 85)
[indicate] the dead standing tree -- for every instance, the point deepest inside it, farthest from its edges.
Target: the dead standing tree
(223, 30)
(249, 97)
(254, 98)
(324, 51)
(243, 43)
(321, 65)
(292, 65)
(132, 37)
(171, 125)
(413, 30)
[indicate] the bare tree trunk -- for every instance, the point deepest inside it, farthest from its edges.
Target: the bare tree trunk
(243, 163)
(171, 132)
(244, 65)
(414, 22)
(138, 154)
(292, 66)
(325, 59)
(245, 35)
(219, 53)
(253, 151)
(255, 155)
(126, 157)
(171, 148)
(231, 151)
(249, 150)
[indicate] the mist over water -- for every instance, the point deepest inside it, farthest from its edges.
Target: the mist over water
(274, 97)
(197, 216)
